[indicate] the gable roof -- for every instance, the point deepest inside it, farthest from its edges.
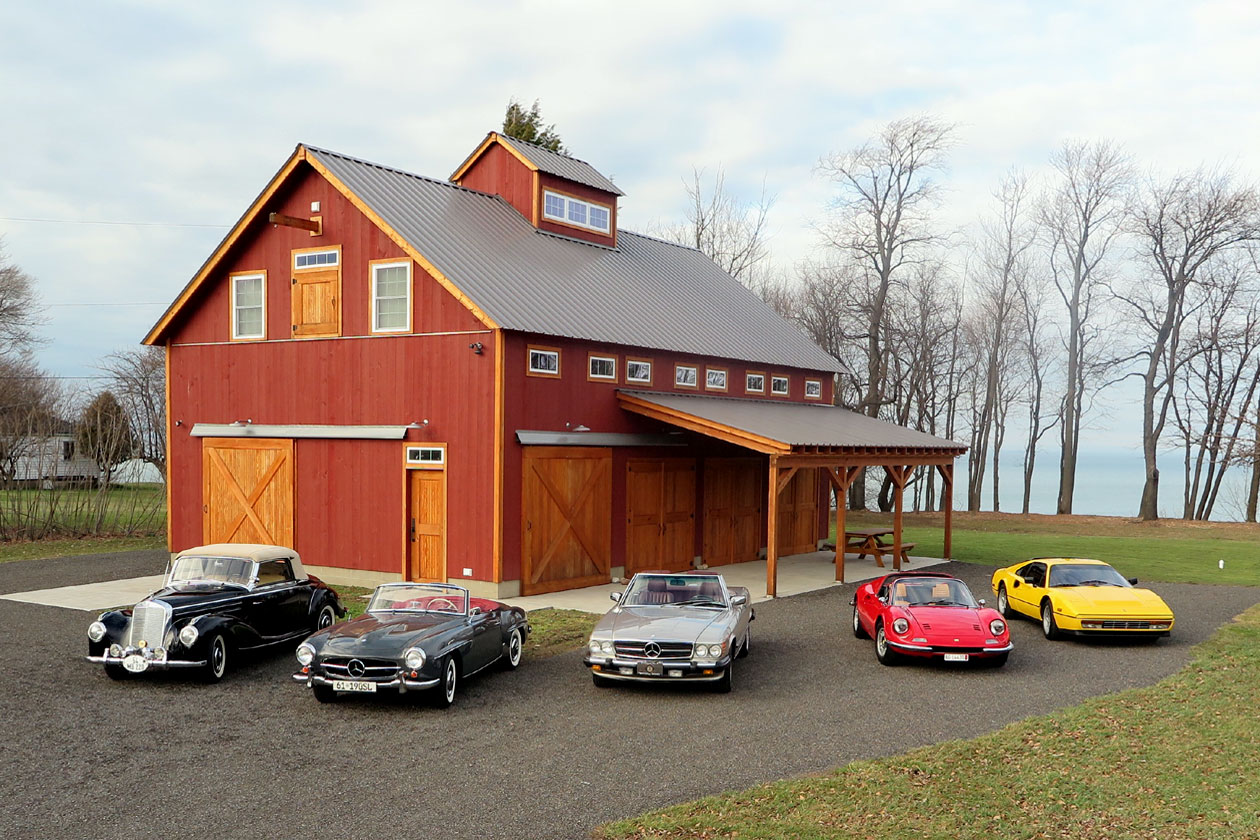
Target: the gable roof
(645, 293)
(544, 160)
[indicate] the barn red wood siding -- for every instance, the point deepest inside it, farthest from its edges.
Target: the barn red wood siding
(540, 403)
(499, 172)
(348, 494)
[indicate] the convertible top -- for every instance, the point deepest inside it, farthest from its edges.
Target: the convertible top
(248, 551)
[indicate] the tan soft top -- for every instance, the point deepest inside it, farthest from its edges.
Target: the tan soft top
(248, 551)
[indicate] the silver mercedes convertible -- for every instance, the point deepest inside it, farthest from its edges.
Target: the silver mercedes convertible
(687, 627)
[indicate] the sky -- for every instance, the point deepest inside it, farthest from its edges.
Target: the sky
(171, 117)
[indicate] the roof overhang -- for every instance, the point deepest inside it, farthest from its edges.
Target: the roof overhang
(601, 439)
(258, 430)
(799, 434)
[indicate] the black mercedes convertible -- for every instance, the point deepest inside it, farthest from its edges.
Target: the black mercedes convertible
(413, 637)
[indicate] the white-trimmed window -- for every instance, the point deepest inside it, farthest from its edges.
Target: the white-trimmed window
(603, 368)
(754, 383)
(779, 385)
(715, 379)
(316, 259)
(813, 389)
(566, 209)
(431, 457)
(391, 297)
(249, 306)
(544, 361)
(639, 371)
(685, 376)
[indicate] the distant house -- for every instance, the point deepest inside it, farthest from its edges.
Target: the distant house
(52, 459)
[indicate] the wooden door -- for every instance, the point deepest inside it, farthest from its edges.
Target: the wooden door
(660, 513)
(247, 491)
(426, 558)
(732, 510)
(798, 513)
(567, 518)
(316, 302)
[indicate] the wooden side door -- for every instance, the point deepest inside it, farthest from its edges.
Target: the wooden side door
(732, 510)
(567, 527)
(247, 491)
(426, 556)
(798, 513)
(660, 513)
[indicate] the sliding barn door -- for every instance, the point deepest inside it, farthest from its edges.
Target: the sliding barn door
(247, 491)
(567, 527)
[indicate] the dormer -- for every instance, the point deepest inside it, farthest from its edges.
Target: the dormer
(556, 193)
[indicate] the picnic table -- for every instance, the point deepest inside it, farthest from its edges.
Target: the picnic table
(869, 542)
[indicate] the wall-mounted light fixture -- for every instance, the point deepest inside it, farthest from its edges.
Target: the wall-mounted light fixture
(578, 428)
(476, 347)
(414, 425)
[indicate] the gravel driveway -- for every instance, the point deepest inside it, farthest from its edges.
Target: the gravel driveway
(538, 753)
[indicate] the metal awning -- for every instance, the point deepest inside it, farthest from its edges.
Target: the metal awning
(610, 439)
(259, 430)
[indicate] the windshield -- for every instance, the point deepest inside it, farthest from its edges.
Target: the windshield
(231, 570)
(658, 590)
(1085, 574)
(419, 597)
(932, 592)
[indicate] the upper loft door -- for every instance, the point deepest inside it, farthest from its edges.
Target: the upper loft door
(316, 300)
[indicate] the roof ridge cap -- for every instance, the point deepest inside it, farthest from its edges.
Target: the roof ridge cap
(501, 133)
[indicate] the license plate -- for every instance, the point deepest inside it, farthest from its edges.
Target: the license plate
(354, 685)
(651, 669)
(135, 663)
(957, 657)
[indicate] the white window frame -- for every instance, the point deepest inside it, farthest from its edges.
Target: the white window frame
(590, 367)
(709, 371)
(748, 389)
(695, 376)
(414, 456)
(549, 351)
(639, 380)
(563, 217)
(249, 275)
(336, 260)
(787, 386)
(817, 386)
(377, 266)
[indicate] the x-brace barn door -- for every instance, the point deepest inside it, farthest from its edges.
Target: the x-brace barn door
(247, 491)
(567, 528)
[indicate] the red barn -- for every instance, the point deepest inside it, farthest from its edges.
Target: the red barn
(484, 380)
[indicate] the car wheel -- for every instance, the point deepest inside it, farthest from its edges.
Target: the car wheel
(1004, 603)
(512, 659)
(444, 694)
(747, 645)
(883, 651)
(216, 659)
(116, 672)
(723, 685)
(1048, 627)
(326, 617)
(324, 693)
(858, 630)
(601, 682)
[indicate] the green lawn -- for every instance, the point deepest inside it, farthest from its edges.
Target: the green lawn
(1173, 760)
(1173, 552)
(44, 549)
(63, 511)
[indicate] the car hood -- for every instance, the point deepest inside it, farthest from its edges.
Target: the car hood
(383, 633)
(185, 599)
(1110, 600)
(661, 622)
(951, 619)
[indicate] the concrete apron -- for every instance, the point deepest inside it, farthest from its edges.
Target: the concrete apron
(797, 573)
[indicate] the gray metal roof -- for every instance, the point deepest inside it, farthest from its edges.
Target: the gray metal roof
(562, 166)
(644, 293)
(798, 424)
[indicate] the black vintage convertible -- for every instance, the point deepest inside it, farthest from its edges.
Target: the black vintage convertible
(413, 637)
(217, 600)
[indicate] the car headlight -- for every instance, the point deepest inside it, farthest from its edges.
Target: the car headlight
(96, 631)
(997, 627)
(601, 647)
(188, 635)
(305, 654)
(414, 658)
(901, 625)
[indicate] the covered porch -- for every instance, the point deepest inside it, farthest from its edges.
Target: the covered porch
(797, 437)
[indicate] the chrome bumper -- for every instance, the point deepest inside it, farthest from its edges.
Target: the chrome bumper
(937, 650)
(154, 664)
(691, 672)
(401, 683)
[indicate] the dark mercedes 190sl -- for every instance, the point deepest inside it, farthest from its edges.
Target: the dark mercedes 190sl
(672, 627)
(217, 600)
(413, 637)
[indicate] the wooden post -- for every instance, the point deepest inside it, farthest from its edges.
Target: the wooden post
(947, 479)
(841, 481)
(898, 476)
(772, 529)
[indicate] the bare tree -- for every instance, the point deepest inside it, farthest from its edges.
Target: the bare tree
(729, 230)
(1182, 224)
(138, 380)
(1080, 218)
(881, 218)
(20, 312)
(1037, 358)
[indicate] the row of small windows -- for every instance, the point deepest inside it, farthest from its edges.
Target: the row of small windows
(545, 361)
(568, 210)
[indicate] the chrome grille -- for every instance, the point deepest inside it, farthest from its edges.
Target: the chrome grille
(149, 620)
(374, 670)
(669, 650)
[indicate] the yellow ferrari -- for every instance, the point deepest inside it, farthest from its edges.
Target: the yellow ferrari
(1080, 597)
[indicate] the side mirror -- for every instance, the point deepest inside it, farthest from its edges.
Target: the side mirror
(616, 596)
(474, 611)
(983, 602)
(738, 600)
(882, 599)
(1133, 581)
